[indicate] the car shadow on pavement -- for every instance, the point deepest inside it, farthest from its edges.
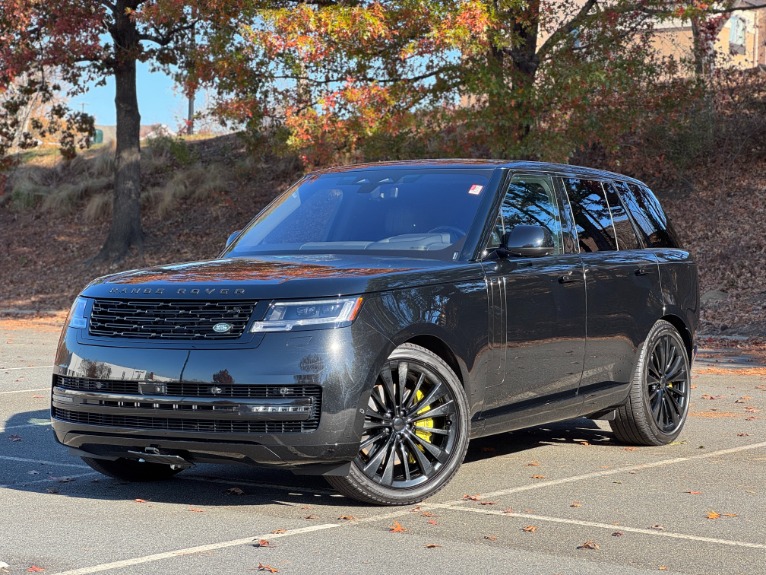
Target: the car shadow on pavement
(34, 462)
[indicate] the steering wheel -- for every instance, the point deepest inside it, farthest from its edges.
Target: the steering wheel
(455, 233)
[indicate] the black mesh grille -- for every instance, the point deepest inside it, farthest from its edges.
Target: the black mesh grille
(191, 389)
(169, 319)
(195, 425)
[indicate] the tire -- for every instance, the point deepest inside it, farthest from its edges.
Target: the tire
(658, 403)
(415, 432)
(132, 470)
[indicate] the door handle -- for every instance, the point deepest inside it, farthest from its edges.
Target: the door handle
(568, 278)
(641, 272)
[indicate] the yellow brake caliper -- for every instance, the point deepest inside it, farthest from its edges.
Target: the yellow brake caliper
(429, 422)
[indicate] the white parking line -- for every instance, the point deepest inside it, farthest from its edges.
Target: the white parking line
(47, 480)
(193, 550)
(28, 367)
(26, 390)
(611, 527)
(606, 473)
(41, 461)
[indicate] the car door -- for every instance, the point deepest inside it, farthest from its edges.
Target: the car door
(622, 286)
(537, 313)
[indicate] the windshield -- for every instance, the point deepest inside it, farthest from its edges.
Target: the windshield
(424, 212)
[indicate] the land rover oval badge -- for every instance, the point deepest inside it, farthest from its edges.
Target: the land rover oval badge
(222, 327)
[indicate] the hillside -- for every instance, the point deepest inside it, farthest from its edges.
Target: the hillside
(198, 192)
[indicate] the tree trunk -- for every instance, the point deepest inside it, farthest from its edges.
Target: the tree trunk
(125, 231)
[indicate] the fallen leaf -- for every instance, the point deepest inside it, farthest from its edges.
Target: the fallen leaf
(262, 543)
(509, 510)
(589, 544)
(533, 464)
(490, 537)
(312, 516)
(751, 409)
(397, 528)
(743, 399)
(279, 531)
(14, 437)
(713, 515)
(662, 568)
(471, 497)
(35, 569)
(693, 492)
(575, 504)
(268, 568)
(346, 518)
(432, 522)
(630, 448)
(234, 491)
(529, 529)
(431, 546)
(140, 500)
(743, 435)
(618, 534)
(196, 510)
(586, 443)
(486, 502)
(38, 396)
(728, 514)
(427, 514)
(708, 396)
(538, 477)
(751, 418)
(657, 527)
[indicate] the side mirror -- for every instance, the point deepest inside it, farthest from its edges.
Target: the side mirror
(233, 236)
(528, 241)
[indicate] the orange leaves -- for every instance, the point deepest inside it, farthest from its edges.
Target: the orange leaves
(529, 529)
(267, 568)
(713, 515)
(35, 569)
(589, 544)
(346, 518)
(397, 528)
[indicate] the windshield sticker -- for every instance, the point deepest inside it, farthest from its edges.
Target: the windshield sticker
(475, 190)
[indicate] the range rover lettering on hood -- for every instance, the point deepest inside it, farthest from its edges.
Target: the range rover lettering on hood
(178, 291)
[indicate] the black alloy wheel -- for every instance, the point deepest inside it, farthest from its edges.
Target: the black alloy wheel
(658, 403)
(415, 431)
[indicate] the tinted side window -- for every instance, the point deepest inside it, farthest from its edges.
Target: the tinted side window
(591, 214)
(624, 232)
(529, 200)
(648, 216)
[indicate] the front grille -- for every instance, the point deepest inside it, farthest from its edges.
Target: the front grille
(189, 425)
(169, 319)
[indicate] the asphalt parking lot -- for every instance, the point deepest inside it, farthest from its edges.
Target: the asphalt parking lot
(564, 499)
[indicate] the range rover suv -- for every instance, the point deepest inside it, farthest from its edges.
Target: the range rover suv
(373, 319)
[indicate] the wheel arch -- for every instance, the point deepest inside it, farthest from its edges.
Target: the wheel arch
(683, 330)
(440, 348)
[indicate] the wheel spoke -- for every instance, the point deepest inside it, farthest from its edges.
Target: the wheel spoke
(387, 478)
(439, 454)
(371, 468)
(371, 440)
(447, 408)
(425, 466)
(388, 386)
(403, 455)
(435, 430)
(380, 406)
(437, 392)
(413, 395)
(403, 370)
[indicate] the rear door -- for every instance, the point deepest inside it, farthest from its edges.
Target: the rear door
(537, 312)
(622, 283)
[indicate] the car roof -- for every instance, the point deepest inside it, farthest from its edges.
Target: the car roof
(515, 165)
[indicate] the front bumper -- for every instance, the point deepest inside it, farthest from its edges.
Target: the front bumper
(288, 399)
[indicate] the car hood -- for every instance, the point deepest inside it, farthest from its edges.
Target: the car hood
(280, 277)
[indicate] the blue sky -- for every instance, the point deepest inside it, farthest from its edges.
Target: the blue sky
(159, 101)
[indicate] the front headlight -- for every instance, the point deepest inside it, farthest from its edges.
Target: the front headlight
(315, 314)
(77, 317)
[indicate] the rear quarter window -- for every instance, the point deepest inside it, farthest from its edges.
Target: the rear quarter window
(648, 215)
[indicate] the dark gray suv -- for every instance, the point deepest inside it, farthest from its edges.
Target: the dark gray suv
(374, 318)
